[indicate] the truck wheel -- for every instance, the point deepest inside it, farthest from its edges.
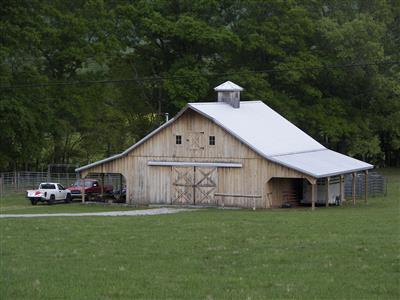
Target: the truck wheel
(52, 200)
(68, 198)
(33, 201)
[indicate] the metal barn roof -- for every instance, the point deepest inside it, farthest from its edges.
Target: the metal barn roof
(275, 138)
(259, 126)
(321, 163)
(270, 135)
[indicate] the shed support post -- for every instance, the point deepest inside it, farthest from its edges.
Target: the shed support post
(353, 184)
(328, 182)
(366, 186)
(128, 200)
(83, 190)
(341, 189)
(313, 187)
(102, 186)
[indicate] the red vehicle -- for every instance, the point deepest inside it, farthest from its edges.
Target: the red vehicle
(92, 188)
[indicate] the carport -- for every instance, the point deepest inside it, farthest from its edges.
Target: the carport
(102, 183)
(323, 169)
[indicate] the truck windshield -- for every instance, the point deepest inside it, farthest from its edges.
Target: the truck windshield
(47, 186)
(80, 183)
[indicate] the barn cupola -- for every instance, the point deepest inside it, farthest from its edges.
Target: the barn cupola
(229, 92)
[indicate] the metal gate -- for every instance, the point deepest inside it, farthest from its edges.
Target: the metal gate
(194, 185)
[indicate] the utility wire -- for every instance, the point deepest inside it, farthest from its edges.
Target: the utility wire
(160, 78)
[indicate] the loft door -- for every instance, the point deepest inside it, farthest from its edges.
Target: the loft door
(196, 140)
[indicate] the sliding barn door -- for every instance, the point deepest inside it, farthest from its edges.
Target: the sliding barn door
(205, 185)
(182, 185)
(194, 185)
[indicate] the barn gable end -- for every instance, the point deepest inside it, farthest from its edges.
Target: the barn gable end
(153, 184)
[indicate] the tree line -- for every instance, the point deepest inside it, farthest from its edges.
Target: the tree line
(329, 66)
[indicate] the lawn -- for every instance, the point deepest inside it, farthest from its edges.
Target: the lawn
(337, 252)
(19, 204)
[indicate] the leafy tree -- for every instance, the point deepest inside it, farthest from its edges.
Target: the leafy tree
(174, 52)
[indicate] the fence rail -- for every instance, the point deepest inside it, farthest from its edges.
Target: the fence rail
(19, 182)
(377, 185)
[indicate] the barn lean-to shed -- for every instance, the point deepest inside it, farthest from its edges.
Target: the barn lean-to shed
(239, 153)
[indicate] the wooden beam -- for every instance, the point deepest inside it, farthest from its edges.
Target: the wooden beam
(237, 195)
(328, 181)
(341, 189)
(353, 184)
(194, 164)
(127, 199)
(194, 185)
(83, 190)
(366, 186)
(102, 186)
(313, 187)
(120, 189)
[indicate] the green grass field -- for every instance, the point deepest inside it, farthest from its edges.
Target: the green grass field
(348, 252)
(20, 205)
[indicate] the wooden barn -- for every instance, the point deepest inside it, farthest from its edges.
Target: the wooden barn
(230, 153)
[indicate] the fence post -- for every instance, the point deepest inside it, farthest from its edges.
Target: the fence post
(18, 183)
(14, 180)
(385, 184)
(1, 186)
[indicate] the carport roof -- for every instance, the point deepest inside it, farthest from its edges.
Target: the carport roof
(321, 163)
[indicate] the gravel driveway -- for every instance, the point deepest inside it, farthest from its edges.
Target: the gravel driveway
(144, 212)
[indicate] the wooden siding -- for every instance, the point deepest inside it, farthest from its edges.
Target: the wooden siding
(153, 184)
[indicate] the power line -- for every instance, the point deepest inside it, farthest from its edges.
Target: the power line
(160, 78)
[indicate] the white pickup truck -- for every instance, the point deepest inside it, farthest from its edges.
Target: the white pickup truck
(49, 192)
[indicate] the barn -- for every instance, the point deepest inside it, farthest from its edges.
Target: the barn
(229, 153)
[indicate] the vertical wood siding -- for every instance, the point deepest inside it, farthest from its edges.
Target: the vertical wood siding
(153, 184)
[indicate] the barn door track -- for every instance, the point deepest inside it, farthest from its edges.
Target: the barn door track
(143, 212)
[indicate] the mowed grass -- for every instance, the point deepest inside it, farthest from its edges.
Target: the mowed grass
(348, 252)
(19, 204)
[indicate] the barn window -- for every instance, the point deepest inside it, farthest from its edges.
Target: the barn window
(211, 140)
(178, 139)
